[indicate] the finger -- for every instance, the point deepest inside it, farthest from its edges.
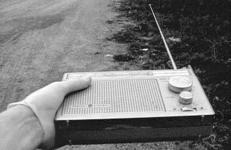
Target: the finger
(75, 85)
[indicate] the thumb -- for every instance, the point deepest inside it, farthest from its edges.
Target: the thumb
(75, 85)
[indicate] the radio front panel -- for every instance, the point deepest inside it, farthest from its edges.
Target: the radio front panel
(132, 94)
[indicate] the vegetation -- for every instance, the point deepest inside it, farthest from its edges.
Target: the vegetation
(198, 33)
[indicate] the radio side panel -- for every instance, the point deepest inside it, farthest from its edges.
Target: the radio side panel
(132, 130)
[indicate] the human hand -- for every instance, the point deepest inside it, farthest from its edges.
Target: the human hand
(46, 101)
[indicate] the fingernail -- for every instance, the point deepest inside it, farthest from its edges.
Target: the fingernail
(87, 78)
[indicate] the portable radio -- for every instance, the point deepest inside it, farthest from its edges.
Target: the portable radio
(135, 106)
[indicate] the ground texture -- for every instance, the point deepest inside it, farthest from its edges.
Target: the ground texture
(40, 40)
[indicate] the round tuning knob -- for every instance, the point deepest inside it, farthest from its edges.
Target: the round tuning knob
(180, 83)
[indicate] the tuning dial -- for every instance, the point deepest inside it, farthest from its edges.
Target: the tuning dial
(185, 97)
(180, 83)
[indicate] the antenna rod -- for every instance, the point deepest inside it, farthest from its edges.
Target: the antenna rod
(163, 38)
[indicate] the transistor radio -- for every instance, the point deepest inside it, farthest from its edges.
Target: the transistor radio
(126, 106)
(135, 106)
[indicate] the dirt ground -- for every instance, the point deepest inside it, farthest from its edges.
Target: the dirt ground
(40, 40)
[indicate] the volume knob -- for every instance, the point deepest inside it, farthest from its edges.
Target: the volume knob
(180, 83)
(185, 97)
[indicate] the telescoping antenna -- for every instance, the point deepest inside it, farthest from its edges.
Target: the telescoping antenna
(163, 38)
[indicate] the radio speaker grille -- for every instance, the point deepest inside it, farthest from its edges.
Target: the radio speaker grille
(117, 95)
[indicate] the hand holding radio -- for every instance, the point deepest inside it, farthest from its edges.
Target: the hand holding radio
(45, 102)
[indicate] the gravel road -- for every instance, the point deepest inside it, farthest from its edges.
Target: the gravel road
(42, 39)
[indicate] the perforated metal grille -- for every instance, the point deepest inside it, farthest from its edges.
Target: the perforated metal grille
(117, 95)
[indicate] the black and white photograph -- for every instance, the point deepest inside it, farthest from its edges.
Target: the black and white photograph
(115, 74)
